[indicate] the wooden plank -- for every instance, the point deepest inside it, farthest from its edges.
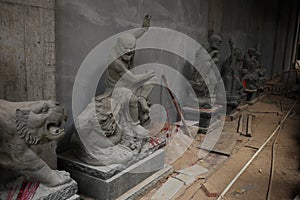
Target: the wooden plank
(262, 128)
(224, 145)
(189, 192)
(249, 126)
(220, 179)
(240, 125)
(209, 190)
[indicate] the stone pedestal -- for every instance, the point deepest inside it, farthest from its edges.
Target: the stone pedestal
(251, 94)
(107, 182)
(232, 103)
(13, 189)
(207, 117)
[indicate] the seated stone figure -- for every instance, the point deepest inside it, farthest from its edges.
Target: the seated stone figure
(24, 127)
(231, 75)
(110, 128)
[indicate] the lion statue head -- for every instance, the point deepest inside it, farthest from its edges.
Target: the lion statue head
(40, 122)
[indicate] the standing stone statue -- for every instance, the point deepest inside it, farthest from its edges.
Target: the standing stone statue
(204, 61)
(199, 82)
(251, 65)
(231, 76)
(24, 128)
(110, 128)
(215, 43)
(261, 71)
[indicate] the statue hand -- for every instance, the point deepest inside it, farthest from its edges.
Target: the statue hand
(146, 22)
(150, 73)
(213, 53)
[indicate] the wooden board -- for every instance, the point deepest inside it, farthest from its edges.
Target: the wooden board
(222, 177)
(225, 144)
(262, 128)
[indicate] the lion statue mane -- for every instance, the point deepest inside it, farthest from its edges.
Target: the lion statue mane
(23, 127)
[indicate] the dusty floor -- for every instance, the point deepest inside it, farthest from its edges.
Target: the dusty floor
(253, 183)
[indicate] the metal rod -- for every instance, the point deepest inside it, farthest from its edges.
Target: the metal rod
(176, 105)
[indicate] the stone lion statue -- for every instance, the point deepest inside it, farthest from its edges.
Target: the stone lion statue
(24, 127)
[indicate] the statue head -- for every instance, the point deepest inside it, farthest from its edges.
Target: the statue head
(251, 52)
(238, 54)
(215, 41)
(41, 123)
(125, 46)
(257, 54)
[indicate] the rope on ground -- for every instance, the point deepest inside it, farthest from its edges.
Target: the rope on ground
(272, 166)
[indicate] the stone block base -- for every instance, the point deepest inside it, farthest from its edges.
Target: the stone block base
(207, 117)
(251, 94)
(12, 189)
(106, 182)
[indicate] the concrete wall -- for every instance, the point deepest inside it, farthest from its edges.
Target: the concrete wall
(27, 50)
(27, 55)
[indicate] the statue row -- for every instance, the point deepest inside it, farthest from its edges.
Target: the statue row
(239, 73)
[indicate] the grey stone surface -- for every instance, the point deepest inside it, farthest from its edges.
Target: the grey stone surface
(74, 197)
(27, 55)
(186, 179)
(25, 127)
(206, 116)
(194, 171)
(65, 191)
(118, 184)
(147, 184)
(69, 161)
(168, 189)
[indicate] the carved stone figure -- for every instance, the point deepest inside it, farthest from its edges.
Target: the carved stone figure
(215, 43)
(231, 76)
(251, 65)
(110, 129)
(24, 127)
(204, 61)
(261, 71)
